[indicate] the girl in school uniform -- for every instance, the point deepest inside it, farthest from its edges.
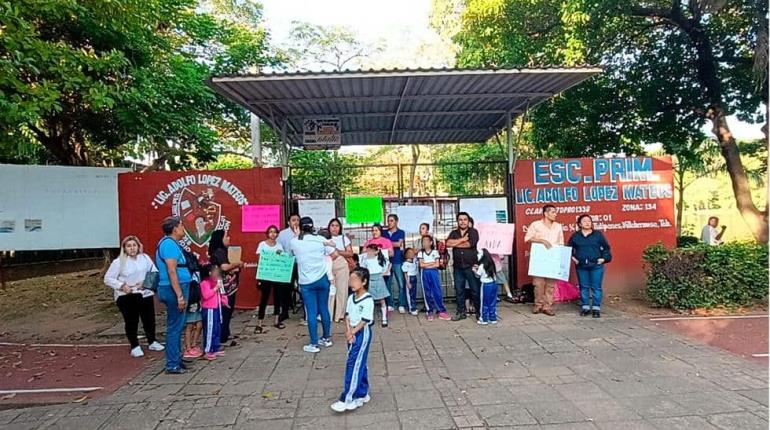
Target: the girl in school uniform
(410, 271)
(377, 264)
(359, 318)
(485, 270)
(428, 259)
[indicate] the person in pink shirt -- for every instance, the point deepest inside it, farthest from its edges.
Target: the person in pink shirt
(383, 242)
(212, 300)
(549, 233)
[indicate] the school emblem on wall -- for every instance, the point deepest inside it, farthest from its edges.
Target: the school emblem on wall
(197, 201)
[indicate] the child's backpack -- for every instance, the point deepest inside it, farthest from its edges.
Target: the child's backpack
(443, 255)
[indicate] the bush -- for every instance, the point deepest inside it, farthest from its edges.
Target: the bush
(685, 241)
(701, 276)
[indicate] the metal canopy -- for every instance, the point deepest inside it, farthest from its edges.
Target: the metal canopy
(399, 106)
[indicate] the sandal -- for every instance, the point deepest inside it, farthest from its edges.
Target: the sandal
(280, 326)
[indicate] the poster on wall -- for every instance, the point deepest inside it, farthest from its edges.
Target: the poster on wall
(321, 211)
(631, 200)
(58, 207)
(487, 209)
(205, 201)
(410, 217)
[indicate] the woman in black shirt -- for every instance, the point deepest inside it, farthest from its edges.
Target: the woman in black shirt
(590, 252)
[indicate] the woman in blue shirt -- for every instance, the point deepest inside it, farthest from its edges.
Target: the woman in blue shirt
(590, 252)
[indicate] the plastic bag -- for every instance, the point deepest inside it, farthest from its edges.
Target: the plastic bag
(565, 292)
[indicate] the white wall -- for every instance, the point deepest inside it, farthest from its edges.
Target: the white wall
(77, 207)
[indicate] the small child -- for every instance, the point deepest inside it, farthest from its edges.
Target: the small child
(431, 283)
(501, 278)
(375, 262)
(213, 298)
(359, 318)
(193, 325)
(486, 271)
(410, 272)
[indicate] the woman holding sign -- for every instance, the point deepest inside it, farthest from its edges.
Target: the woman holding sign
(590, 252)
(311, 251)
(281, 291)
(218, 244)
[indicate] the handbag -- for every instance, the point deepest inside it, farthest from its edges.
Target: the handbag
(151, 280)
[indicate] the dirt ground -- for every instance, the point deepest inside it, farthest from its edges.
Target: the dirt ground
(68, 308)
(636, 304)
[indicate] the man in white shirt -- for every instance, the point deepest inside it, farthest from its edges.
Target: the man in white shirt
(289, 233)
(711, 235)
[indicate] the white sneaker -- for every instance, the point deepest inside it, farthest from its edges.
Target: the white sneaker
(414, 313)
(325, 342)
(303, 322)
(155, 346)
(363, 400)
(482, 322)
(401, 310)
(340, 406)
(391, 308)
(318, 318)
(137, 352)
(493, 322)
(311, 348)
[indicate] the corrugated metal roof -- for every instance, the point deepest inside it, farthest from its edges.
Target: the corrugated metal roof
(399, 106)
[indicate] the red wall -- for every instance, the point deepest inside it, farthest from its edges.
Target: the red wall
(145, 199)
(575, 186)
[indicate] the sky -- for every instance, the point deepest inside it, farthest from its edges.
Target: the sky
(402, 25)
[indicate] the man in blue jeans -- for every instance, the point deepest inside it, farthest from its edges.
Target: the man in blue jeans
(397, 236)
(463, 241)
(173, 289)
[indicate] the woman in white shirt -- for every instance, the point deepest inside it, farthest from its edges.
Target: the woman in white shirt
(340, 269)
(281, 291)
(311, 250)
(126, 277)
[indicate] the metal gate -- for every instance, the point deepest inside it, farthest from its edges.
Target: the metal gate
(440, 185)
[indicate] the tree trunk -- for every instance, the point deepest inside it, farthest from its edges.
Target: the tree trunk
(756, 219)
(413, 170)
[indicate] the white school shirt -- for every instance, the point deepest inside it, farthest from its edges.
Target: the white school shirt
(311, 254)
(285, 237)
(373, 264)
(428, 257)
(361, 309)
(133, 273)
(263, 246)
(409, 267)
(482, 274)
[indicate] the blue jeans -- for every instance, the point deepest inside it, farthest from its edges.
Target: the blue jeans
(396, 272)
(462, 275)
(316, 298)
(590, 280)
(175, 320)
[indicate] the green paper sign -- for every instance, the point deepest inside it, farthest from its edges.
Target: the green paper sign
(362, 210)
(275, 267)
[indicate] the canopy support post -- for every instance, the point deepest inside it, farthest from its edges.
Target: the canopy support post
(256, 141)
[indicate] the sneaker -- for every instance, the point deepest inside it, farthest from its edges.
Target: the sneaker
(197, 350)
(177, 371)
(585, 312)
(459, 317)
(391, 308)
(137, 352)
(413, 313)
(430, 317)
(318, 318)
(444, 316)
(596, 314)
(220, 353)
(363, 400)
(210, 356)
(311, 348)
(303, 322)
(155, 346)
(190, 353)
(401, 310)
(384, 324)
(340, 406)
(481, 322)
(493, 322)
(325, 342)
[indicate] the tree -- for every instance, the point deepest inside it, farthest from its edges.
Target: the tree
(92, 84)
(670, 67)
(332, 48)
(322, 174)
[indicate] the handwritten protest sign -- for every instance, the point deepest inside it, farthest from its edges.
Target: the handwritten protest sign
(257, 218)
(553, 263)
(410, 217)
(496, 238)
(321, 211)
(275, 267)
(360, 209)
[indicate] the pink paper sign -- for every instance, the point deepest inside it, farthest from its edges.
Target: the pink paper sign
(257, 218)
(495, 237)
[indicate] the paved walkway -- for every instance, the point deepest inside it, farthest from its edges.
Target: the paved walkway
(529, 372)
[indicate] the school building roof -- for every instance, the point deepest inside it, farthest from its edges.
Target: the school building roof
(399, 106)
